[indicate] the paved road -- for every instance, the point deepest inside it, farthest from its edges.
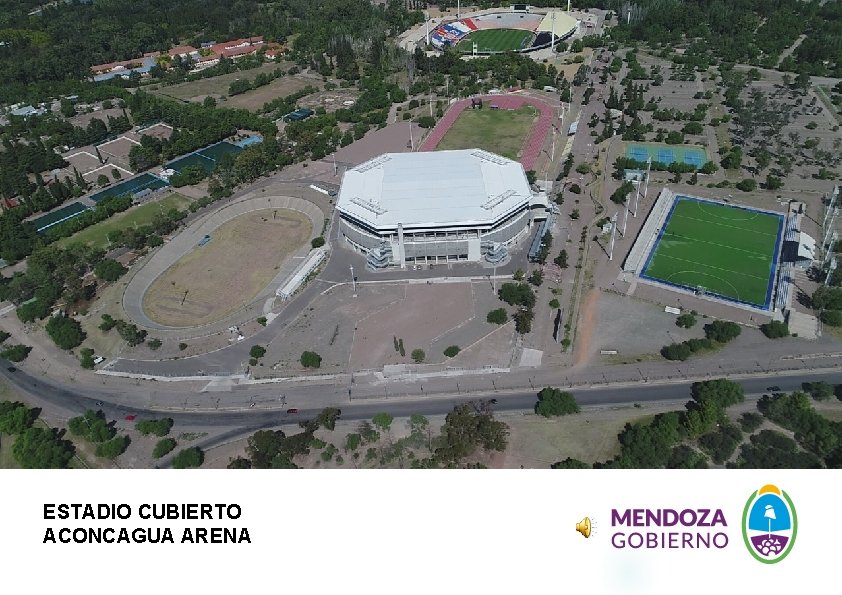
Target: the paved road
(73, 403)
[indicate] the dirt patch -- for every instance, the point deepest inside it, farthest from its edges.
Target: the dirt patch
(587, 324)
(82, 161)
(214, 280)
(427, 312)
(118, 148)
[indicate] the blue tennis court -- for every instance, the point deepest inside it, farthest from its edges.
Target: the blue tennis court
(58, 216)
(667, 154)
(132, 186)
(205, 158)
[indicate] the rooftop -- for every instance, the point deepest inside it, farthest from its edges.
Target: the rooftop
(462, 187)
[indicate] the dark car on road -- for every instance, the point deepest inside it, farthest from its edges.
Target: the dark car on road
(291, 411)
(773, 389)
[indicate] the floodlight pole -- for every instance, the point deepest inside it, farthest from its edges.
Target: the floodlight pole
(427, 21)
(411, 141)
(552, 46)
(353, 280)
(636, 196)
(552, 153)
(626, 218)
(613, 237)
(334, 164)
(431, 102)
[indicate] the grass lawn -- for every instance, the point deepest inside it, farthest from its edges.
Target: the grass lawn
(495, 40)
(499, 131)
(729, 251)
(96, 235)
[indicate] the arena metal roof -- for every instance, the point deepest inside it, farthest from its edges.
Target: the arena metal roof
(464, 187)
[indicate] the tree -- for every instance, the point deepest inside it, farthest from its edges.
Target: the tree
(418, 355)
(775, 329)
(536, 278)
(685, 321)
(188, 458)
(820, 391)
(465, 430)
(257, 351)
(554, 402)
(498, 316)
(317, 242)
(747, 185)
(750, 421)
(109, 270)
(102, 180)
(16, 417)
(92, 426)
(65, 332)
(570, 463)
(561, 259)
(831, 317)
(113, 448)
(383, 421)
(722, 331)
(531, 176)
(451, 351)
(157, 427)
(311, 359)
(42, 448)
(327, 418)
(773, 182)
(15, 353)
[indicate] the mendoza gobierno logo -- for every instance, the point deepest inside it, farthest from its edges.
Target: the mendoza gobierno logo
(769, 524)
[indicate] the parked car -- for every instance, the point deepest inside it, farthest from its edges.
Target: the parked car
(131, 417)
(773, 389)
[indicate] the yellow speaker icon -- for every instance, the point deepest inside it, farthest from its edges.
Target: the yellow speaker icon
(584, 526)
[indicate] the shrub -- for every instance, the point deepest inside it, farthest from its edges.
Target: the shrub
(575, 189)
(686, 321)
(317, 242)
(154, 344)
(832, 317)
(451, 351)
(775, 329)
(188, 458)
(750, 421)
(16, 353)
(113, 448)
(584, 168)
(554, 304)
(722, 331)
(261, 320)
(158, 427)
(107, 324)
(676, 352)
(257, 351)
(163, 447)
(498, 316)
(182, 346)
(418, 355)
(311, 359)
(86, 358)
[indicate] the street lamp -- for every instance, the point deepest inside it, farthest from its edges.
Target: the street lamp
(353, 280)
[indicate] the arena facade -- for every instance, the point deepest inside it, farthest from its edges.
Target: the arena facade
(490, 33)
(468, 205)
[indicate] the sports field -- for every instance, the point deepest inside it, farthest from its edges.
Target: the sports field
(97, 235)
(496, 40)
(500, 131)
(216, 279)
(718, 249)
(664, 153)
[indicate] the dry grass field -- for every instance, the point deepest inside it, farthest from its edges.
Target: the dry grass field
(254, 100)
(216, 279)
(216, 86)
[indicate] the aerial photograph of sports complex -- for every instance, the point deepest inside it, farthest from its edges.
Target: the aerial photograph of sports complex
(383, 235)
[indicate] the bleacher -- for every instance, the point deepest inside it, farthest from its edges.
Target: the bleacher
(648, 235)
(783, 297)
(449, 34)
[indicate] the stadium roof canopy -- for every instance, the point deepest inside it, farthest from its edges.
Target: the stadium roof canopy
(437, 188)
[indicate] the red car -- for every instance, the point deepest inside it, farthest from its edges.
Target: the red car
(131, 417)
(291, 411)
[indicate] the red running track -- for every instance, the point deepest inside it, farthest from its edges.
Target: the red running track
(532, 147)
